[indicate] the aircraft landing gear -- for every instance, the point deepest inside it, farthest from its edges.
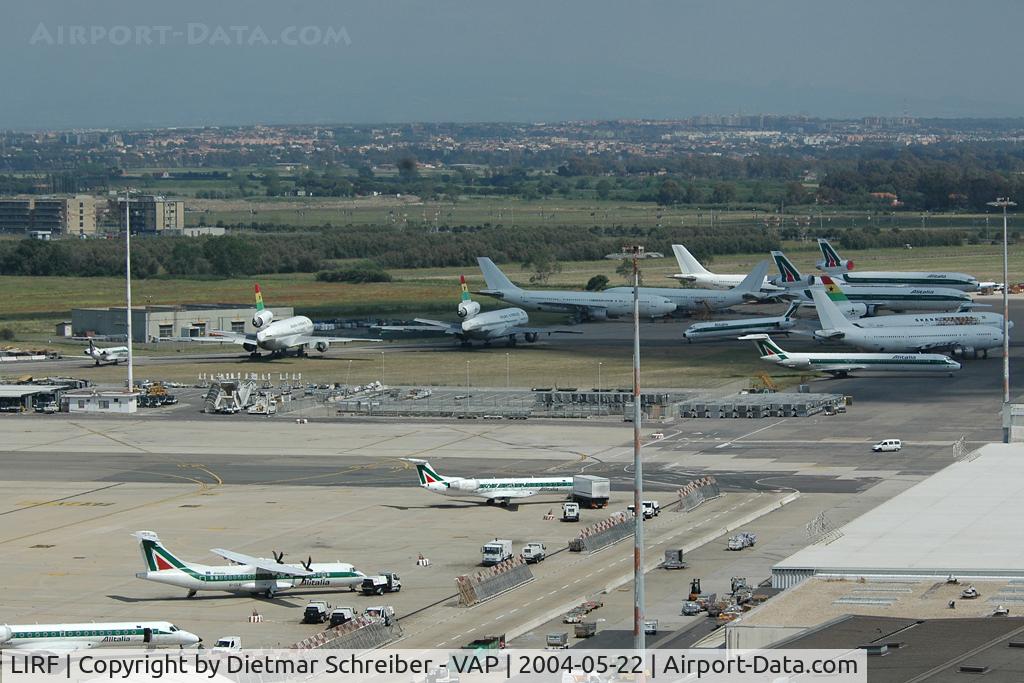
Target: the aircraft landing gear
(269, 593)
(512, 340)
(190, 594)
(255, 355)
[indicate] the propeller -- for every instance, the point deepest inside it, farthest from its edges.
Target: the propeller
(308, 563)
(278, 556)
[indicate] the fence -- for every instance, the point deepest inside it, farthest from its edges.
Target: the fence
(696, 492)
(359, 634)
(760, 405)
(488, 583)
(603, 534)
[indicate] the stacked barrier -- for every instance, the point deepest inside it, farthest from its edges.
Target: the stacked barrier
(603, 534)
(359, 634)
(696, 492)
(488, 583)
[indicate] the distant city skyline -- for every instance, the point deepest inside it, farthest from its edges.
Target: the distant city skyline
(122, 64)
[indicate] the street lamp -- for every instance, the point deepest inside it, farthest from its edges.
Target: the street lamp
(467, 374)
(599, 396)
(382, 368)
(1005, 202)
(507, 375)
(639, 640)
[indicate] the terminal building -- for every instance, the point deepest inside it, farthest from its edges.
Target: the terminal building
(49, 216)
(155, 322)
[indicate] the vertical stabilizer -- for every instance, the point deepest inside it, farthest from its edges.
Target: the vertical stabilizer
(688, 265)
(493, 276)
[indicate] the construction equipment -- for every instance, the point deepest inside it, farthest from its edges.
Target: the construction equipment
(762, 383)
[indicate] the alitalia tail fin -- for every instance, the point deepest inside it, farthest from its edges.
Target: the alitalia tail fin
(427, 474)
(155, 556)
(788, 273)
(829, 253)
(765, 345)
(259, 298)
(794, 306)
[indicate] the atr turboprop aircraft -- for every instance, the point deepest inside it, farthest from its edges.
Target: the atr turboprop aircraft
(57, 637)
(250, 575)
(505, 323)
(276, 336)
(841, 268)
(491, 490)
(111, 354)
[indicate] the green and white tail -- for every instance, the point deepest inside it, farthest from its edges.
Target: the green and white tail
(154, 555)
(765, 345)
(830, 255)
(788, 273)
(427, 474)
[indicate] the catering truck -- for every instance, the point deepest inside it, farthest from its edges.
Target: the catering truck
(590, 491)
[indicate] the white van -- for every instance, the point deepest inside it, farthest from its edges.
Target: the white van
(887, 445)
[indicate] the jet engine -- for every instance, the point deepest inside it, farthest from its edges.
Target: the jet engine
(322, 346)
(468, 309)
(530, 337)
(597, 314)
(262, 318)
(464, 484)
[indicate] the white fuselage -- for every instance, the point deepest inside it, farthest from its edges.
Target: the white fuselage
(719, 280)
(94, 634)
(899, 298)
(874, 362)
(691, 299)
(113, 354)
(915, 338)
(960, 281)
(240, 578)
(928, 319)
(613, 304)
(282, 335)
(499, 488)
(494, 324)
(730, 329)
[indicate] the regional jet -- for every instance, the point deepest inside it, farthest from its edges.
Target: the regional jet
(249, 575)
(276, 336)
(694, 300)
(963, 339)
(58, 637)
(691, 270)
(584, 305)
(832, 264)
(506, 323)
(491, 490)
(730, 329)
(111, 354)
(842, 364)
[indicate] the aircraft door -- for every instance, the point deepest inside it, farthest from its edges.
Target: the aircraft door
(147, 635)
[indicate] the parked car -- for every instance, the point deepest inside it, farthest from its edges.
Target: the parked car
(887, 445)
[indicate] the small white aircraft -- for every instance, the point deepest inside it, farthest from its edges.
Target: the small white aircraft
(842, 364)
(251, 575)
(505, 323)
(491, 490)
(111, 354)
(276, 336)
(691, 270)
(56, 637)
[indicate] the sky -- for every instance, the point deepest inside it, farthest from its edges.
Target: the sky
(142, 63)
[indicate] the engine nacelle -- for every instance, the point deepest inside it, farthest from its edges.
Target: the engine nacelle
(322, 346)
(262, 318)
(530, 337)
(249, 347)
(464, 484)
(468, 309)
(597, 314)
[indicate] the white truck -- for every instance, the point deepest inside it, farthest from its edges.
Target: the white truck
(591, 491)
(534, 552)
(493, 552)
(651, 508)
(384, 613)
(384, 582)
(228, 644)
(570, 512)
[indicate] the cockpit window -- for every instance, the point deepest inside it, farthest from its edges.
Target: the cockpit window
(173, 628)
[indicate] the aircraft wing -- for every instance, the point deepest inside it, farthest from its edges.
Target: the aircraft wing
(218, 336)
(439, 325)
(570, 308)
(266, 565)
(542, 330)
(515, 493)
(313, 339)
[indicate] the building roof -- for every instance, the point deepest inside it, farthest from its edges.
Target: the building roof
(931, 650)
(961, 521)
(22, 390)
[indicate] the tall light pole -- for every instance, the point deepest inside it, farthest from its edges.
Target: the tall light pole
(600, 402)
(507, 375)
(1005, 202)
(382, 368)
(467, 374)
(639, 643)
(128, 286)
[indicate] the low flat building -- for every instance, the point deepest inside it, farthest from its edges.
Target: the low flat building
(160, 322)
(23, 398)
(100, 401)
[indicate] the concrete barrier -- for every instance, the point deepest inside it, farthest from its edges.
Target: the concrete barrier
(603, 534)
(359, 634)
(697, 492)
(488, 583)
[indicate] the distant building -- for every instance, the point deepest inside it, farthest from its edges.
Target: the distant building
(203, 230)
(152, 213)
(37, 216)
(63, 329)
(100, 401)
(156, 322)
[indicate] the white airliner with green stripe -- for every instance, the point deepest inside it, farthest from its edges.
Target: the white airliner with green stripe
(55, 637)
(491, 490)
(842, 364)
(251, 575)
(731, 329)
(835, 266)
(874, 296)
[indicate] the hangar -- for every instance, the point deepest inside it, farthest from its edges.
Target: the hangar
(151, 323)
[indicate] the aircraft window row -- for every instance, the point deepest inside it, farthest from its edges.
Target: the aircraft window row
(58, 634)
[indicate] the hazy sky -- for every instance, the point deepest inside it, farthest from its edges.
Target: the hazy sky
(100, 63)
